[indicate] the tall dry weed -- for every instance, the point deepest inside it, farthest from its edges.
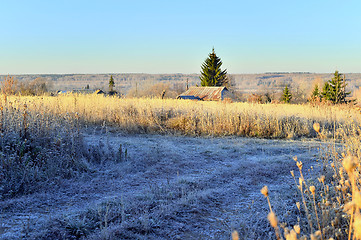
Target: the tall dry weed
(332, 202)
(35, 146)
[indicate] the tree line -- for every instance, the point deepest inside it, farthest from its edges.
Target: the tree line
(333, 91)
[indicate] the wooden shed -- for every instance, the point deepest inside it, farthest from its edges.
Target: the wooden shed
(205, 93)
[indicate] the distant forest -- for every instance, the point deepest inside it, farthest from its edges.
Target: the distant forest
(300, 83)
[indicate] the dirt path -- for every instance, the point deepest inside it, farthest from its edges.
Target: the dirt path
(172, 187)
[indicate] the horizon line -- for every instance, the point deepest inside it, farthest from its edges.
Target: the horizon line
(109, 73)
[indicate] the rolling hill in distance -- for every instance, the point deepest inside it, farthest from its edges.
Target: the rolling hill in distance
(244, 83)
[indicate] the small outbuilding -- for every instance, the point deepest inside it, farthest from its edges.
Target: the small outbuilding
(205, 93)
(99, 91)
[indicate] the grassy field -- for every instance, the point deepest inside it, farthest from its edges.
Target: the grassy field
(142, 115)
(42, 143)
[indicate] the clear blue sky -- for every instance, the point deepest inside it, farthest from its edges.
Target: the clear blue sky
(171, 36)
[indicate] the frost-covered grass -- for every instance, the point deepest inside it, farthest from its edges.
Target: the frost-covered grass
(36, 147)
(168, 187)
(58, 183)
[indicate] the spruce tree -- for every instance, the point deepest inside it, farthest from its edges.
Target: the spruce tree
(211, 72)
(325, 95)
(315, 92)
(287, 96)
(337, 89)
(111, 84)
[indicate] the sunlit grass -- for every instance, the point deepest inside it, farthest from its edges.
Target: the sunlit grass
(153, 115)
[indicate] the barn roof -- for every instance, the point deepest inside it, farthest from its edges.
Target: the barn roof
(204, 93)
(188, 97)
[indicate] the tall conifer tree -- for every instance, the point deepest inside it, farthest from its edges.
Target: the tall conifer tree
(287, 96)
(211, 72)
(111, 84)
(325, 94)
(337, 89)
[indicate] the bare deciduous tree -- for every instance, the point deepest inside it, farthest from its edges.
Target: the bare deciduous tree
(9, 86)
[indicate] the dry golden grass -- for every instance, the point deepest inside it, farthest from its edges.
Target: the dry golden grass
(152, 115)
(332, 206)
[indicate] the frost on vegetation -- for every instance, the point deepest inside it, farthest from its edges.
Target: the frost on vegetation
(329, 206)
(42, 145)
(36, 149)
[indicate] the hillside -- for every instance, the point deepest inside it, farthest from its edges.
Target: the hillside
(244, 83)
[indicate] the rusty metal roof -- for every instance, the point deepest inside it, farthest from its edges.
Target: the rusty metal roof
(205, 93)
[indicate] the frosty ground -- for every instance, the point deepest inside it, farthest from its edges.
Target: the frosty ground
(165, 187)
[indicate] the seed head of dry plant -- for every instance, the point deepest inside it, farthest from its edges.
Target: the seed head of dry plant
(349, 163)
(316, 127)
(264, 191)
(312, 190)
